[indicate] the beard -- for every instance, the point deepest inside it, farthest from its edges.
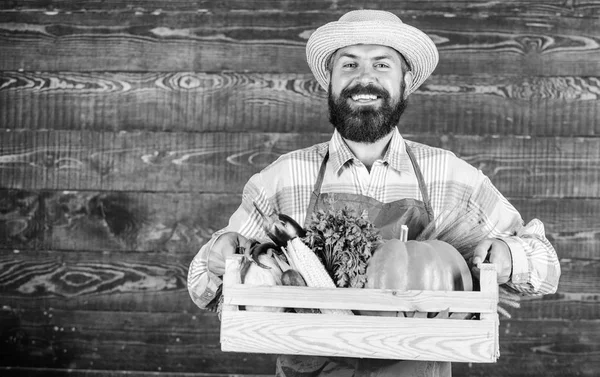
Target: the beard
(365, 124)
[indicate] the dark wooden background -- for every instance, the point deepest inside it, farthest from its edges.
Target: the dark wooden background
(127, 130)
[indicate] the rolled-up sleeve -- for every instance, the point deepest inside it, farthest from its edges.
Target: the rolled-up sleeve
(203, 285)
(536, 269)
(535, 264)
(207, 267)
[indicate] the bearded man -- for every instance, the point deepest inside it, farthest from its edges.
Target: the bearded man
(370, 62)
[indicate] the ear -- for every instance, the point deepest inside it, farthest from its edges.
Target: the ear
(408, 78)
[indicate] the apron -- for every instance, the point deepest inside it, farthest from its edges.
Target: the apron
(387, 217)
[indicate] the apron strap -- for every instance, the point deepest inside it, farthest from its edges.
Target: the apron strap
(421, 182)
(312, 204)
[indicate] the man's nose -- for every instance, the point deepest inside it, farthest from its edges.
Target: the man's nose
(366, 75)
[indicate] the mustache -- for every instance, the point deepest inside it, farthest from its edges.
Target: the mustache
(364, 89)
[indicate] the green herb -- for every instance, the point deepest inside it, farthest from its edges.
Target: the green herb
(344, 240)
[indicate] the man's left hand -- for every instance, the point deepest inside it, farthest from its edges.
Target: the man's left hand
(498, 253)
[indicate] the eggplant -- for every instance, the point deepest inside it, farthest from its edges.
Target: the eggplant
(281, 229)
(293, 228)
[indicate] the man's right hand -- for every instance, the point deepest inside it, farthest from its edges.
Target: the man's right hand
(224, 247)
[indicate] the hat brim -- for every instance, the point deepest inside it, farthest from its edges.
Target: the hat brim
(416, 47)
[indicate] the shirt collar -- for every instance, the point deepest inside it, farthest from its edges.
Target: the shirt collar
(339, 153)
(396, 155)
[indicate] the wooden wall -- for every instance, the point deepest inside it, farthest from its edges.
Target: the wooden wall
(127, 130)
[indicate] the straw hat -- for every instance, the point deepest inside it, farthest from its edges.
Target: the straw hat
(372, 27)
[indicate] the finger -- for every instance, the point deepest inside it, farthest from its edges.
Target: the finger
(500, 270)
(225, 245)
(226, 239)
(243, 242)
(481, 252)
(498, 260)
(501, 258)
(475, 272)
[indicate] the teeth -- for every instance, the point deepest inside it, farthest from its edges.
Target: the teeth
(364, 97)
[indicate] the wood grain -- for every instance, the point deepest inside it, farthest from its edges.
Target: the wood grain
(120, 340)
(388, 300)
(572, 278)
(541, 347)
(199, 102)
(58, 372)
(223, 162)
(156, 282)
(69, 275)
(378, 337)
(155, 301)
(117, 221)
(356, 336)
(129, 128)
(572, 226)
(353, 298)
(179, 223)
(519, 7)
(562, 305)
(245, 41)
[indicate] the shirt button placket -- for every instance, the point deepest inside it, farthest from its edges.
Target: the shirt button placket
(374, 179)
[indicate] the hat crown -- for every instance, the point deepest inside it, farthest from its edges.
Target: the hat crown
(369, 15)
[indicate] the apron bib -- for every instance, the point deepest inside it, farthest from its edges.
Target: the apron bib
(388, 218)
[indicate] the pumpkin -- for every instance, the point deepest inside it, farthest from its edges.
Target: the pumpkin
(417, 265)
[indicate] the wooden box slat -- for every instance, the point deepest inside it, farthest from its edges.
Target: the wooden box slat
(361, 336)
(358, 299)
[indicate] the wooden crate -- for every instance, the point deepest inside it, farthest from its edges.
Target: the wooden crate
(473, 340)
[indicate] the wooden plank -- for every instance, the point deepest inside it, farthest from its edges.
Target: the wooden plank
(135, 280)
(580, 276)
(223, 162)
(533, 159)
(140, 161)
(520, 7)
(156, 301)
(178, 224)
(572, 226)
(152, 327)
(545, 348)
(541, 347)
(229, 280)
(562, 305)
(120, 355)
(545, 343)
(354, 298)
(150, 341)
(235, 293)
(475, 43)
(189, 101)
(358, 336)
(182, 222)
(62, 372)
(157, 282)
(478, 105)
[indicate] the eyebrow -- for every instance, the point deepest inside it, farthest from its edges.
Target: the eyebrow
(352, 56)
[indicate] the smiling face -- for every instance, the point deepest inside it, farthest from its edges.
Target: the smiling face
(366, 91)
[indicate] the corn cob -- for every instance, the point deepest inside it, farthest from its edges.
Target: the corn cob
(303, 260)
